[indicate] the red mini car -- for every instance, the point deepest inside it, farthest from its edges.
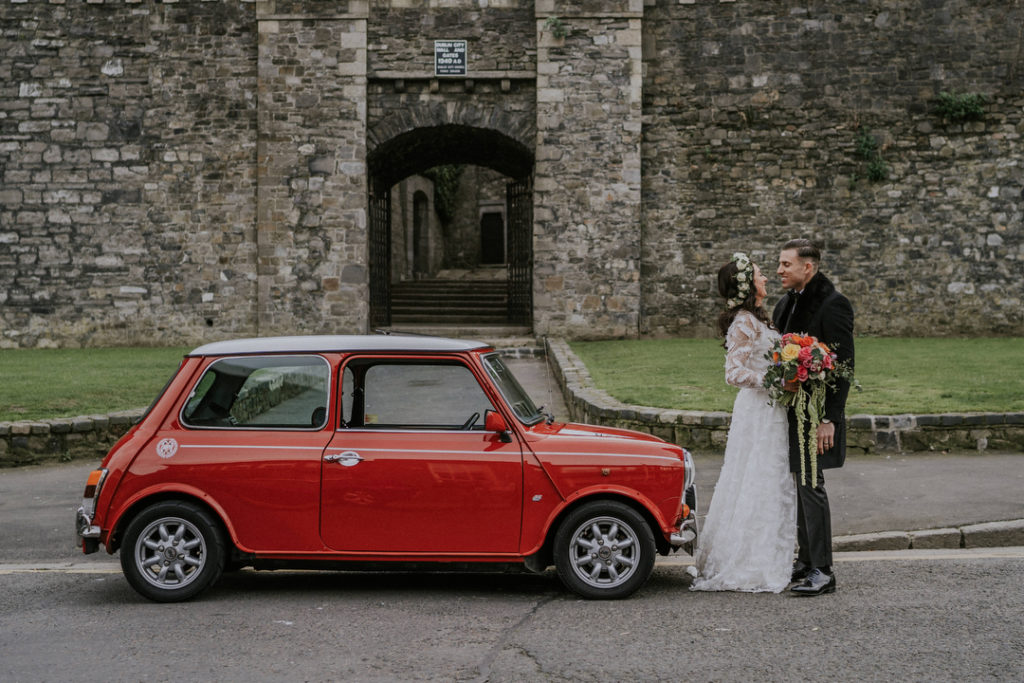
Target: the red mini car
(375, 452)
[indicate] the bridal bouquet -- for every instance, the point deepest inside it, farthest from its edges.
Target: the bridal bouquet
(801, 370)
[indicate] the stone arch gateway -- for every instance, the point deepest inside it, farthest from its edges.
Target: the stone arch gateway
(416, 150)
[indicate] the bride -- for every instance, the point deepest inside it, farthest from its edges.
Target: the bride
(750, 531)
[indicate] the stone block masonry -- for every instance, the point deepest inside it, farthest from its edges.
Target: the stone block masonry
(180, 172)
(64, 439)
(587, 186)
(753, 116)
(127, 172)
(312, 206)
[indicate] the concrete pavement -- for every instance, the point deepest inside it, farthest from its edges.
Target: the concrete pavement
(882, 502)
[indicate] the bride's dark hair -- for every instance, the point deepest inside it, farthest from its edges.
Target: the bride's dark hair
(729, 288)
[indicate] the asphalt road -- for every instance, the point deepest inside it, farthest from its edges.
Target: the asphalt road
(915, 616)
(898, 619)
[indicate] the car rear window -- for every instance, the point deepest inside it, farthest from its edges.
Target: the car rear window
(261, 392)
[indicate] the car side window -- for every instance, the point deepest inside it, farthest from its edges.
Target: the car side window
(283, 392)
(412, 395)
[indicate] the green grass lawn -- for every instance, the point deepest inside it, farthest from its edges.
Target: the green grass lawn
(898, 375)
(45, 383)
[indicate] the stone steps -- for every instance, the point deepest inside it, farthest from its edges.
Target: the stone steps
(449, 302)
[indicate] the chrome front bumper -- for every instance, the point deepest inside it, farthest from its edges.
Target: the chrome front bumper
(87, 531)
(84, 525)
(686, 537)
(687, 534)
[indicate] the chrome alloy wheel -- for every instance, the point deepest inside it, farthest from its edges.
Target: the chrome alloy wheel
(605, 552)
(170, 553)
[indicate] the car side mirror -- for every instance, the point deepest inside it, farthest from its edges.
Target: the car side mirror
(494, 422)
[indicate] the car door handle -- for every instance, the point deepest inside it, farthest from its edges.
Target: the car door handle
(347, 458)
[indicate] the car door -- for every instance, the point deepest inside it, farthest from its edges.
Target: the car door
(250, 439)
(411, 469)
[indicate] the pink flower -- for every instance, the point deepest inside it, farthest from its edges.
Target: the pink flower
(805, 355)
(829, 361)
(801, 373)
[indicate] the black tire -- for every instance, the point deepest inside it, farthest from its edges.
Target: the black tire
(172, 551)
(611, 564)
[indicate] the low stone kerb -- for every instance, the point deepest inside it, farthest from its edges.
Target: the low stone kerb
(866, 434)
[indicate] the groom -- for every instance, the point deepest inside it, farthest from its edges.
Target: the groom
(814, 306)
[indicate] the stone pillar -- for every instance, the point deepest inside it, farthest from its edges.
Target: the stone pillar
(587, 181)
(312, 199)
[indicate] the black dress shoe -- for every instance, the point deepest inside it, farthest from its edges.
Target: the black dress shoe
(800, 571)
(816, 583)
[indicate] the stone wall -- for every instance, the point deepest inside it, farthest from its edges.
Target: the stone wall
(127, 184)
(480, 189)
(587, 177)
(177, 172)
(312, 201)
(752, 112)
(499, 35)
(63, 440)
(404, 257)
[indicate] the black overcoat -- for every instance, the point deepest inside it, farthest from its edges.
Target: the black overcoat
(823, 312)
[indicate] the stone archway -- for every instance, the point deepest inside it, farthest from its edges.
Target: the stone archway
(414, 150)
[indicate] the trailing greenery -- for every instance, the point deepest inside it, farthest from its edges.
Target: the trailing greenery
(446, 187)
(557, 27)
(899, 375)
(959, 107)
(38, 384)
(866, 147)
(877, 170)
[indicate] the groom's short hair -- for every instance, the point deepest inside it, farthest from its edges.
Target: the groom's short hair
(805, 249)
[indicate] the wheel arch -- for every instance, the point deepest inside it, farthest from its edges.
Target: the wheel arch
(544, 556)
(135, 507)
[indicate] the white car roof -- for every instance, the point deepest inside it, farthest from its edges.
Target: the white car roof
(335, 343)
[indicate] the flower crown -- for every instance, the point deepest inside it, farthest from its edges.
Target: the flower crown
(744, 278)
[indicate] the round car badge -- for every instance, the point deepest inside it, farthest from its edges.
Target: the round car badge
(167, 448)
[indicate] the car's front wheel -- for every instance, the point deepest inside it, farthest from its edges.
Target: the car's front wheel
(604, 550)
(172, 551)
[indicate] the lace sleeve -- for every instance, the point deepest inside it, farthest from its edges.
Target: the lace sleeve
(744, 356)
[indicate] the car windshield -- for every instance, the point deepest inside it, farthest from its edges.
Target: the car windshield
(522, 405)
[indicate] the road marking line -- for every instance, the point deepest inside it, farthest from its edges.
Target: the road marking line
(61, 568)
(1013, 552)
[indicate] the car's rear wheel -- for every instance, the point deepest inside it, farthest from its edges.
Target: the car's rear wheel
(604, 550)
(172, 551)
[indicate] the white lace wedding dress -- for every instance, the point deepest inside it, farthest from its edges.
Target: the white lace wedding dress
(749, 534)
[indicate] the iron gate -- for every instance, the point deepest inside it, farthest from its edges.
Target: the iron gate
(380, 254)
(519, 200)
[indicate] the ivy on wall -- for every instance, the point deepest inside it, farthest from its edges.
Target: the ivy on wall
(446, 186)
(876, 170)
(958, 107)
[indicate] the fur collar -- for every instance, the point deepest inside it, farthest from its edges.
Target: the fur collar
(817, 290)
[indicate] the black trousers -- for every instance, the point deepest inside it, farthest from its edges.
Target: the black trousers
(813, 522)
